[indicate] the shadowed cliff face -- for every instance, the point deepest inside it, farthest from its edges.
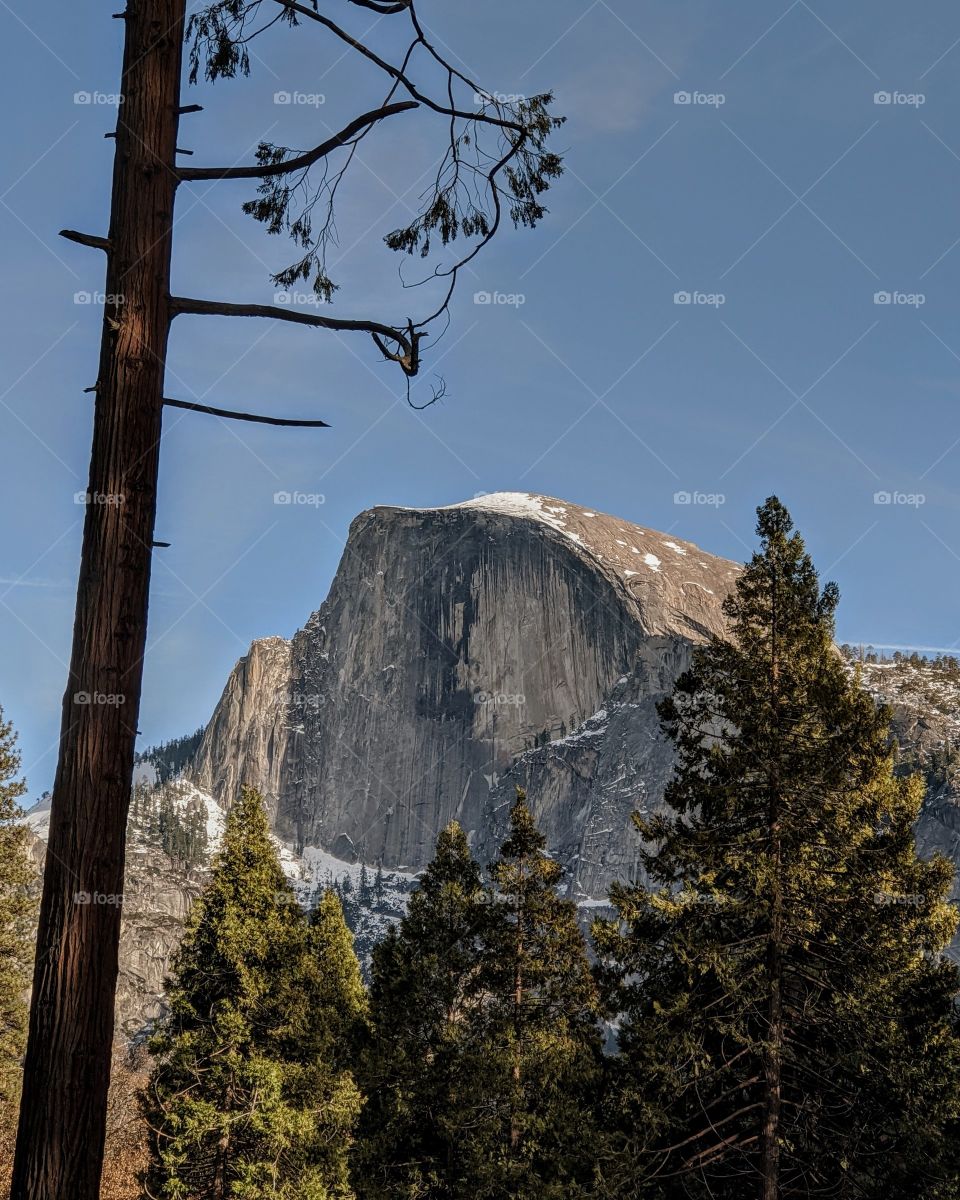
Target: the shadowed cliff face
(455, 643)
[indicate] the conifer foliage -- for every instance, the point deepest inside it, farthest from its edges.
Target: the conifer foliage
(485, 1042)
(541, 1027)
(423, 1059)
(252, 1095)
(788, 1027)
(18, 888)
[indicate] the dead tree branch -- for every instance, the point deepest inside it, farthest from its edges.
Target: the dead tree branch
(232, 415)
(302, 161)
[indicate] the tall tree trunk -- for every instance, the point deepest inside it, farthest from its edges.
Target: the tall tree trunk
(60, 1140)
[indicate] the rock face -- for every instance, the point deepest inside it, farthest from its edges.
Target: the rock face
(157, 898)
(247, 738)
(512, 638)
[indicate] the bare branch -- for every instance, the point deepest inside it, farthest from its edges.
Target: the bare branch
(383, 7)
(239, 416)
(302, 161)
(86, 239)
(223, 308)
(301, 10)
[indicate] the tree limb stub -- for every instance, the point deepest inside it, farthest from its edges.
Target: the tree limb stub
(86, 239)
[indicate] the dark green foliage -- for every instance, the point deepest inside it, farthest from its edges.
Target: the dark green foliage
(422, 1060)
(18, 902)
(485, 1044)
(540, 1030)
(251, 1095)
(787, 1020)
(525, 125)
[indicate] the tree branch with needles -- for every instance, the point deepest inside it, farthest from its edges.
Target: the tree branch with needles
(496, 162)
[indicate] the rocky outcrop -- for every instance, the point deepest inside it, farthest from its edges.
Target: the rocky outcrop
(157, 896)
(246, 741)
(584, 788)
(512, 638)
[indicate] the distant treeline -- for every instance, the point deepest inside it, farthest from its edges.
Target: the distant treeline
(170, 758)
(947, 664)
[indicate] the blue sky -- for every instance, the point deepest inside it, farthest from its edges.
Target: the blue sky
(783, 188)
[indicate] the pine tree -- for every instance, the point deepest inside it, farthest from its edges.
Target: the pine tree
(336, 989)
(540, 1031)
(422, 1060)
(788, 1025)
(250, 1097)
(18, 880)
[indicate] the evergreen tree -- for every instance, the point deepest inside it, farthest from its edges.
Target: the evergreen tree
(336, 990)
(18, 879)
(788, 1025)
(540, 1031)
(485, 1047)
(364, 893)
(422, 1061)
(249, 1097)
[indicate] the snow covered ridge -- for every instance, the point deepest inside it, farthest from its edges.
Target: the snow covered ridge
(635, 552)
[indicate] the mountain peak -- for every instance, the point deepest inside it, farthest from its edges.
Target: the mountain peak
(633, 552)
